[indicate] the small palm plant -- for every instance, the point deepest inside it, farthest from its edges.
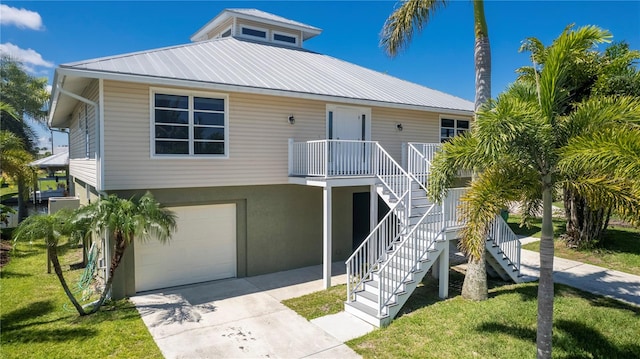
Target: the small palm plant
(123, 220)
(52, 228)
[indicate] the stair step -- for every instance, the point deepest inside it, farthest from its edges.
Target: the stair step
(366, 313)
(372, 286)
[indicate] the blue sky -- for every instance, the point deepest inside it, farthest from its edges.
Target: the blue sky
(50, 33)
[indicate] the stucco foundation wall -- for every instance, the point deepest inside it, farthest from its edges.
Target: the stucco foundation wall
(279, 227)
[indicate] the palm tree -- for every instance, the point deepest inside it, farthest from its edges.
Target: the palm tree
(14, 158)
(521, 142)
(51, 228)
(123, 220)
(398, 30)
(414, 15)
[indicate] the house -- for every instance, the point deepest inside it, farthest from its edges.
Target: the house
(273, 157)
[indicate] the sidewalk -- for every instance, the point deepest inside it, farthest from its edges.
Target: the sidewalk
(597, 280)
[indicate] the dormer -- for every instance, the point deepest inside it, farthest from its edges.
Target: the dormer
(256, 25)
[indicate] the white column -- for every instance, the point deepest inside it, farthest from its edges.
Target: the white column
(443, 268)
(373, 208)
(326, 236)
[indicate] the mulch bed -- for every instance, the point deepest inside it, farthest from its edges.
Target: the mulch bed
(5, 247)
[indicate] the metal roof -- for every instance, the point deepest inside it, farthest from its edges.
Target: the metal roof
(244, 63)
(259, 16)
(59, 160)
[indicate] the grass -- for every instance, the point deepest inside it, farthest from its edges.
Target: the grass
(585, 326)
(37, 320)
(319, 304)
(619, 250)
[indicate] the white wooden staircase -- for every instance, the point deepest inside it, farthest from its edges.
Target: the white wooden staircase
(386, 268)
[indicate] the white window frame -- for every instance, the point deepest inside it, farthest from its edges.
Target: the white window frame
(455, 128)
(266, 32)
(191, 95)
(273, 38)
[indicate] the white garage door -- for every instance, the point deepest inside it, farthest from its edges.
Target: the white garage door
(203, 248)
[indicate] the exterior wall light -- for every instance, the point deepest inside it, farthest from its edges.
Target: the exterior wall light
(292, 120)
(399, 126)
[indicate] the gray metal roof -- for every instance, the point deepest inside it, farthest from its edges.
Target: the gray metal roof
(232, 61)
(271, 17)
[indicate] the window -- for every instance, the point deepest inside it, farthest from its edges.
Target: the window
(254, 32)
(284, 38)
(449, 128)
(189, 125)
(226, 33)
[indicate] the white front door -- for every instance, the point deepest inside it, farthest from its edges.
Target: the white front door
(350, 125)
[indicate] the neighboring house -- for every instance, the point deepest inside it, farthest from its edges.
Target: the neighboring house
(270, 154)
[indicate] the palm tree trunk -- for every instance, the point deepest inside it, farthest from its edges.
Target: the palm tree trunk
(482, 55)
(53, 254)
(585, 225)
(119, 247)
(22, 196)
(545, 286)
(474, 286)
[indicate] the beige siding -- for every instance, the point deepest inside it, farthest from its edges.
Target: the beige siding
(219, 29)
(83, 118)
(258, 136)
(84, 170)
(417, 126)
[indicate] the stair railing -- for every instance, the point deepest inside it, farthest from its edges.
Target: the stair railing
(419, 157)
(392, 176)
(502, 235)
(407, 254)
(372, 251)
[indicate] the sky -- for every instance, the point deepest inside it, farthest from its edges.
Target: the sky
(45, 34)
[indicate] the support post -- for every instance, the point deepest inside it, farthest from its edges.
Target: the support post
(373, 207)
(326, 236)
(443, 268)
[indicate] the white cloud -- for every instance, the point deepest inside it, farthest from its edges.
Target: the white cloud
(28, 57)
(22, 18)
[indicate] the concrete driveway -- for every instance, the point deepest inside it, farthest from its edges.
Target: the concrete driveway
(240, 318)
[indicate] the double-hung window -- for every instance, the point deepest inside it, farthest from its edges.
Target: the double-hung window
(449, 128)
(189, 124)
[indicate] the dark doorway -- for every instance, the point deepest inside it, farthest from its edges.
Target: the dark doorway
(361, 216)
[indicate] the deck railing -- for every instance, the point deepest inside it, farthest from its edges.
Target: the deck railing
(452, 205)
(332, 158)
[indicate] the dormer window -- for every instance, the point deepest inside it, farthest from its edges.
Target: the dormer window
(285, 38)
(253, 32)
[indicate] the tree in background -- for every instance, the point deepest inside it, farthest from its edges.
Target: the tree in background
(593, 74)
(533, 138)
(412, 16)
(28, 96)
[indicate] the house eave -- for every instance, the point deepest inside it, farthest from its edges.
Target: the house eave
(153, 80)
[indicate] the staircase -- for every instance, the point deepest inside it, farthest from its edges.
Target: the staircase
(389, 264)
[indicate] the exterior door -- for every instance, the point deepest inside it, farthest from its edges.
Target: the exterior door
(349, 155)
(203, 248)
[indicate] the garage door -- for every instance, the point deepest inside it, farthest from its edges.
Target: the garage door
(203, 248)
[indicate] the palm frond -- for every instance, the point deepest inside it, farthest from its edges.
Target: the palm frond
(410, 17)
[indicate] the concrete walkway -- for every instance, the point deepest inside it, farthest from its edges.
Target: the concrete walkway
(240, 318)
(597, 280)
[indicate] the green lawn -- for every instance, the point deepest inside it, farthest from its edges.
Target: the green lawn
(585, 326)
(37, 320)
(620, 249)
